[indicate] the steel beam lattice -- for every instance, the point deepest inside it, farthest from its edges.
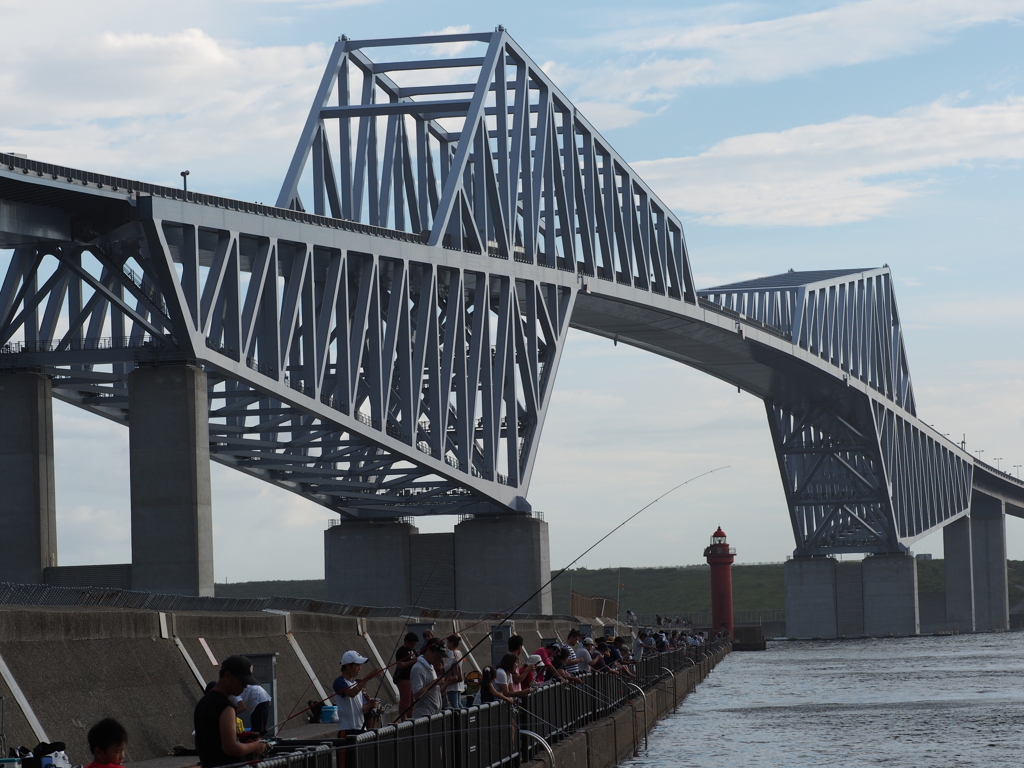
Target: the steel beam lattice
(392, 352)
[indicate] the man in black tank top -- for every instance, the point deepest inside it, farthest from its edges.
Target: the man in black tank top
(214, 718)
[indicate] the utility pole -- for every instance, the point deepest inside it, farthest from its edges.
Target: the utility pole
(618, 584)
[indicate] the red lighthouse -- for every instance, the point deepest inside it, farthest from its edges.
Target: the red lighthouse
(720, 557)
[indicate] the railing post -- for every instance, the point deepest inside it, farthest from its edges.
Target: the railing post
(543, 743)
(674, 699)
(644, 695)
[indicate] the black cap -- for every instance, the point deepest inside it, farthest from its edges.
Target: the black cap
(434, 645)
(240, 668)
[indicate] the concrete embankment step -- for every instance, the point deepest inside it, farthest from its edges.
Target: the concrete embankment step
(62, 669)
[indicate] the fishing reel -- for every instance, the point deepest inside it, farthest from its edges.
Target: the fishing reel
(379, 710)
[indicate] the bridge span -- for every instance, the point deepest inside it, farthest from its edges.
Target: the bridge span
(391, 352)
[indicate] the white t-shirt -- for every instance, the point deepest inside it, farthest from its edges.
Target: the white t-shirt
(501, 677)
(449, 662)
(422, 676)
(350, 708)
(583, 656)
(638, 649)
(254, 695)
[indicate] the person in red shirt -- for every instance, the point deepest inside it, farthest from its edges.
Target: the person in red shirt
(108, 741)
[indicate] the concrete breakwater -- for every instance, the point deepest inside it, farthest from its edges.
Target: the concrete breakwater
(64, 668)
(613, 739)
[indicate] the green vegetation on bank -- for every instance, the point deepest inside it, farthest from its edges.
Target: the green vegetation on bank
(311, 589)
(673, 590)
(656, 590)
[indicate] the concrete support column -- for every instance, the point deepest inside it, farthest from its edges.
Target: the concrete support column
(890, 596)
(850, 599)
(368, 563)
(432, 570)
(988, 543)
(500, 561)
(957, 552)
(811, 597)
(28, 510)
(172, 520)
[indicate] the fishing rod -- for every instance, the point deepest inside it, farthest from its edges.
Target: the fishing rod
(293, 714)
(401, 635)
(546, 584)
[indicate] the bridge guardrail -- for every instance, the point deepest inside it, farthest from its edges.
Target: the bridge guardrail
(739, 317)
(128, 186)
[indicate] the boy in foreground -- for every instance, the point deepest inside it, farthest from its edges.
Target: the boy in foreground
(108, 741)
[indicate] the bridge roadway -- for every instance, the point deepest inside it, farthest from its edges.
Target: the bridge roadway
(756, 357)
(373, 369)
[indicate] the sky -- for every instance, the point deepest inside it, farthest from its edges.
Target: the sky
(796, 135)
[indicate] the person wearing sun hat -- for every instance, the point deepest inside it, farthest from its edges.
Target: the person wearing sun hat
(352, 703)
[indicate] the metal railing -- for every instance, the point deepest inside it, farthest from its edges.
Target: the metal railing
(557, 710)
(477, 737)
(740, 317)
(490, 735)
(73, 176)
(75, 345)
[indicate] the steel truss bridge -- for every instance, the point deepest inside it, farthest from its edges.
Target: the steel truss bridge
(384, 340)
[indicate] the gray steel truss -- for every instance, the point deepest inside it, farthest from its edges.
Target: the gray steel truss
(392, 353)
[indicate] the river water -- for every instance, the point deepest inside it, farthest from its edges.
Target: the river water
(934, 702)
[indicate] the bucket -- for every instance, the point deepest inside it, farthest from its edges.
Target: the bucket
(329, 715)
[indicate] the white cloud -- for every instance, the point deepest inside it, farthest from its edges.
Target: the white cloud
(143, 104)
(658, 57)
(450, 49)
(832, 173)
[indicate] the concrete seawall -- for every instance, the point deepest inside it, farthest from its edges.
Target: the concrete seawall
(618, 737)
(64, 668)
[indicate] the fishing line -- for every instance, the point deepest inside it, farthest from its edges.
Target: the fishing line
(381, 671)
(401, 635)
(546, 584)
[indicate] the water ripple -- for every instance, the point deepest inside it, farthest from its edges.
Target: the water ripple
(928, 702)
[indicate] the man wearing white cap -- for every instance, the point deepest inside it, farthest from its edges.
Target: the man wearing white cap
(352, 703)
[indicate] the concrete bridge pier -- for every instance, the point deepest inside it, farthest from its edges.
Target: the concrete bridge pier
(877, 597)
(500, 561)
(487, 564)
(28, 510)
(811, 597)
(988, 549)
(368, 563)
(957, 552)
(890, 595)
(169, 449)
